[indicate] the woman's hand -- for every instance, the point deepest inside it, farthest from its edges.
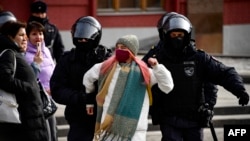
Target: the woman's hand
(152, 61)
(90, 109)
(38, 58)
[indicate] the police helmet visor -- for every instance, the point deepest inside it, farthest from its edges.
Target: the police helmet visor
(178, 23)
(6, 17)
(86, 30)
(165, 18)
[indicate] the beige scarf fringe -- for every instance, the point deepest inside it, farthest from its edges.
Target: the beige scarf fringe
(101, 128)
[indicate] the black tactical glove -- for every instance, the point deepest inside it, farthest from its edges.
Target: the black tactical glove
(206, 115)
(102, 52)
(243, 99)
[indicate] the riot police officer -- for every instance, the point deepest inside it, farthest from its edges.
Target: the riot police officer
(178, 112)
(66, 81)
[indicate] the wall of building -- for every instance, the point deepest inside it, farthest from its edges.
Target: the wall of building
(221, 26)
(236, 28)
(207, 19)
(236, 40)
(20, 8)
(64, 13)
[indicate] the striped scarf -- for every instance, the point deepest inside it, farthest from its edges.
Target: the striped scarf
(124, 110)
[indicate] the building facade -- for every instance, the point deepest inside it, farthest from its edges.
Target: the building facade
(220, 26)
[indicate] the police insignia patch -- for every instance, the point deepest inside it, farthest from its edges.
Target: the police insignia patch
(189, 71)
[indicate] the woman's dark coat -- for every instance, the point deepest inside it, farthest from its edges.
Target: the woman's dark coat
(24, 86)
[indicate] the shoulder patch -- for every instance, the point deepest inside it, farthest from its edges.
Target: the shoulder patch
(200, 50)
(214, 58)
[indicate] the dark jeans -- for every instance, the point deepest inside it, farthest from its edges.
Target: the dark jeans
(53, 128)
(81, 131)
(11, 132)
(180, 129)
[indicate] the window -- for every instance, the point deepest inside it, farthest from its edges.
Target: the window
(129, 5)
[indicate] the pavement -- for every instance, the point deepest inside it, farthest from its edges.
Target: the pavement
(225, 99)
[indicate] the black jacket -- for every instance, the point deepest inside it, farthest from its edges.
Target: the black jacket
(52, 37)
(185, 99)
(24, 86)
(67, 86)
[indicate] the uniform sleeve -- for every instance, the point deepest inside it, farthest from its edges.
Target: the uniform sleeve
(58, 46)
(63, 92)
(150, 53)
(162, 76)
(90, 77)
(225, 76)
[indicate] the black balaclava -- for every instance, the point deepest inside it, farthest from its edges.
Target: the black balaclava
(84, 46)
(176, 45)
(174, 48)
(85, 50)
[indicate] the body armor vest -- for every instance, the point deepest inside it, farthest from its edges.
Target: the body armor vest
(185, 99)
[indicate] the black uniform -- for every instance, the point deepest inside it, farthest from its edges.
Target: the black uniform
(190, 73)
(208, 91)
(183, 112)
(66, 82)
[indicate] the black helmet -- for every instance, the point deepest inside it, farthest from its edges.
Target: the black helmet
(6, 16)
(161, 22)
(86, 28)
(163, 19)
(177, 22)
